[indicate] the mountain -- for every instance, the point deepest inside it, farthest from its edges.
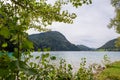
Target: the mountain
(85, 48)
(109, 46)
(53, 40)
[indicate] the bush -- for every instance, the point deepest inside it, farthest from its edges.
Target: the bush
(84, 73)
(42, 70)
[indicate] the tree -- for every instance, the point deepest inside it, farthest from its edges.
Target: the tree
(16, 17)
(115, 22)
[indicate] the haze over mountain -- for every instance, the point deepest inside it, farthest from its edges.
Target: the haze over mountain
(85, 48)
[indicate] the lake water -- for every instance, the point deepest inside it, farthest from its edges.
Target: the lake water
(74, 57)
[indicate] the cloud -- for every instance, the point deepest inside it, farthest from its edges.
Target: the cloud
(90, 26)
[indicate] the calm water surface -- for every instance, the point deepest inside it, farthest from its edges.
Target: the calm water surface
(74, 57)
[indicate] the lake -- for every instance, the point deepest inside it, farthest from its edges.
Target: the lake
(74, 57)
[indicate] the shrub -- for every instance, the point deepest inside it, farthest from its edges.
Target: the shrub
(43, 69)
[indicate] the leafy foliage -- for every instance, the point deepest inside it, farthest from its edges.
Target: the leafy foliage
(43, 69)
(115, 22)
(16, 17)
(84, 73)
(106, 61)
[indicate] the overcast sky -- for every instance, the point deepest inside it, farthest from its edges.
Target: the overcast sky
(90, 26)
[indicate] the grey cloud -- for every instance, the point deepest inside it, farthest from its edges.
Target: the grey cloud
(90, 26)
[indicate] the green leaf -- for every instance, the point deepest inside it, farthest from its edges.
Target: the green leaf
(3, 72)
(45, 55)
(53, 57)
(26, 69)
(37, 57)
(11, 77)
(5, 32)
(69, 66)
(27, 44)
(4, 45)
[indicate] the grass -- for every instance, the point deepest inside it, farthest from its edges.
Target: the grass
(110, 73)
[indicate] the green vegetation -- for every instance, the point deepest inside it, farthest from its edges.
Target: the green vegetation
(42, 69)
(16, 17)
(115, 22)
(84, 73)
(111, 73)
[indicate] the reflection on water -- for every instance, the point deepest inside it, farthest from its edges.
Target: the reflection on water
(74, 57)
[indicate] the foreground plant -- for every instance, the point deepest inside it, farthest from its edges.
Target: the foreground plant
(18, 16)
(45, 69)
(42, 69)
(106, 61)
(83, 72)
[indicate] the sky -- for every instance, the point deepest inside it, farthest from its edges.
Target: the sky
(90, 26)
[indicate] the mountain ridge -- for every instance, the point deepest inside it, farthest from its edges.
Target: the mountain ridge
(109, 46)
(53, 40)
(56, 41)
